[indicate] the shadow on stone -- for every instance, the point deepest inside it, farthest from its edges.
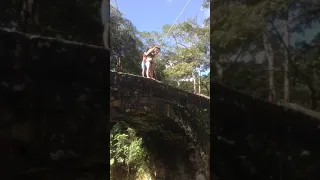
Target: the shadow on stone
(52, 107)
(253, 139)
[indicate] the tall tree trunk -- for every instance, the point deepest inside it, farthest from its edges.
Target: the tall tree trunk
(286, 40)
(270, 57)
(194, 82)
(119, 64)
(199, 80)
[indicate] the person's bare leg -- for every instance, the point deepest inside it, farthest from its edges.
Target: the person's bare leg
(148, 64)
(143, 72)
(148, 73)
(154, 71)
(151, 70)
(143, 67)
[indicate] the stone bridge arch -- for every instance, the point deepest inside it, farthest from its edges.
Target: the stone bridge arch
(179, 119)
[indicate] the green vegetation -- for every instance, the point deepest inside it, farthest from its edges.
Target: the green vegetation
(127, 156)
(268, 49)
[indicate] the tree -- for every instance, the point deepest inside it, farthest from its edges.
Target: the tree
(125, 44)
(239, 40)
(128, 159)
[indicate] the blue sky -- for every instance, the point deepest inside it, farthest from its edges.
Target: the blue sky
(149, 15)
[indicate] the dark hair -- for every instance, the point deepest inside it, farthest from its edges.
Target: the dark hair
(158, 49)
(149, 48)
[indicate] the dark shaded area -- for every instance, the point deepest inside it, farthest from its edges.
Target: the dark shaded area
(253, 139)
(52, 100)
(53, 108)
(73, 20)
(174, 124)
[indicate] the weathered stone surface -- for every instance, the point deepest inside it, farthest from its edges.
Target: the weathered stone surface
(53, 107)
(174, 123)
(252, 139)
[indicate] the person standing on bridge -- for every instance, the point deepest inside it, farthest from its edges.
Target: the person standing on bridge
(150, 60)
(144, 60)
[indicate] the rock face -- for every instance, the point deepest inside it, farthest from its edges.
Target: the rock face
(54, 115)
(252, 139)
(53, 106)
(173, 123)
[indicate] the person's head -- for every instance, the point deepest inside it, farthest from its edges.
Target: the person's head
(157, 49)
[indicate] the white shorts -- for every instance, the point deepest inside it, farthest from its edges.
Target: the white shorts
(148, 60)
(148, 64)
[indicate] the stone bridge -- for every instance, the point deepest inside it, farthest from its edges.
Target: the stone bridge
(55, 116)
(173, 123)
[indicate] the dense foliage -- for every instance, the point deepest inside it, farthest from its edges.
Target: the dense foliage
(128, 159)
(268, 49)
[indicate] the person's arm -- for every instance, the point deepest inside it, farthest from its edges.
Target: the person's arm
(149, 51)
